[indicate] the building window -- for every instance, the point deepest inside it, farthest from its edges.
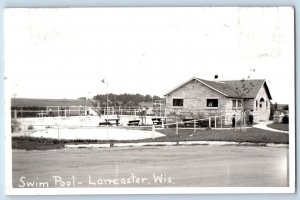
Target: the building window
(239, 104)
(266, 104)
(236, 104)
(177, 102)
(256, 104)
(212, 103)
(261, 102)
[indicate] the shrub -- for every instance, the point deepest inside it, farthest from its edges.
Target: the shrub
(285, 119)
(200, 116)
(15, 126)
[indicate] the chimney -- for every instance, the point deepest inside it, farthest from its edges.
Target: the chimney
(216, 77)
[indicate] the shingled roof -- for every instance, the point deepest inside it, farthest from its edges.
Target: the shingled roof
(233, 88)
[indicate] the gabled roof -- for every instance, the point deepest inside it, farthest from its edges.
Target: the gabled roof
(232, 88)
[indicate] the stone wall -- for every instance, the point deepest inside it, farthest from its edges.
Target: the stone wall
(195, 95)
(262, 113)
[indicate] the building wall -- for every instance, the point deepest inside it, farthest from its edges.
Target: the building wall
(195, 95)
(230, 111)
(261, 113)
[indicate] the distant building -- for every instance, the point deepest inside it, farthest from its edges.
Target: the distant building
(198, 98)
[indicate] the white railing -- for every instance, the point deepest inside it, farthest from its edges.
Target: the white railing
(52, 111)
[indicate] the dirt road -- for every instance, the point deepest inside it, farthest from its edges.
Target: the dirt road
(210, 166)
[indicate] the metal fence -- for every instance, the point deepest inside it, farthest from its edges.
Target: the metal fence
(54, 111)
(175, 129)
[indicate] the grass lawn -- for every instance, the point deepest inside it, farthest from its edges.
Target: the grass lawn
(35, 143)
(282, 127)
(253, 135)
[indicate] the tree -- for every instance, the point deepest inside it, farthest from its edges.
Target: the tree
(147, 98)
(125, 99)
(242, 94)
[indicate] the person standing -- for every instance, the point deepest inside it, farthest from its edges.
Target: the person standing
(233, 121)
(251, 117)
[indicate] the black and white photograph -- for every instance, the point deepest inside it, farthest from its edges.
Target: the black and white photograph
(149, 100)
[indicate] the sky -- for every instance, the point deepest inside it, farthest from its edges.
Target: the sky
(66, 52)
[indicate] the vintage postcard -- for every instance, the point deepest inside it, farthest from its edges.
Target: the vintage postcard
(153, 100)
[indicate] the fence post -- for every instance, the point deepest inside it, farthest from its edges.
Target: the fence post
(153, 130)
(177, 139)
(215, 121)
(162, 124)
(221, 121)
(194, 125)
(235, 123)
(209, 122)
(57, 131)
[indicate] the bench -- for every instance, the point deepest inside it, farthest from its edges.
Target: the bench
(199, 123)
(133, 123)
(158, 121)
(113, 121)
(191, 123)
(110, 122)
(104, 123)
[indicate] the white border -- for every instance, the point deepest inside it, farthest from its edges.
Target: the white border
(9, 190)
(149, 190)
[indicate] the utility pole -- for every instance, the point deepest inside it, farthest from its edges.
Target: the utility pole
(107, 110)
(86, 98)
(85, 106)
(103, 81)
